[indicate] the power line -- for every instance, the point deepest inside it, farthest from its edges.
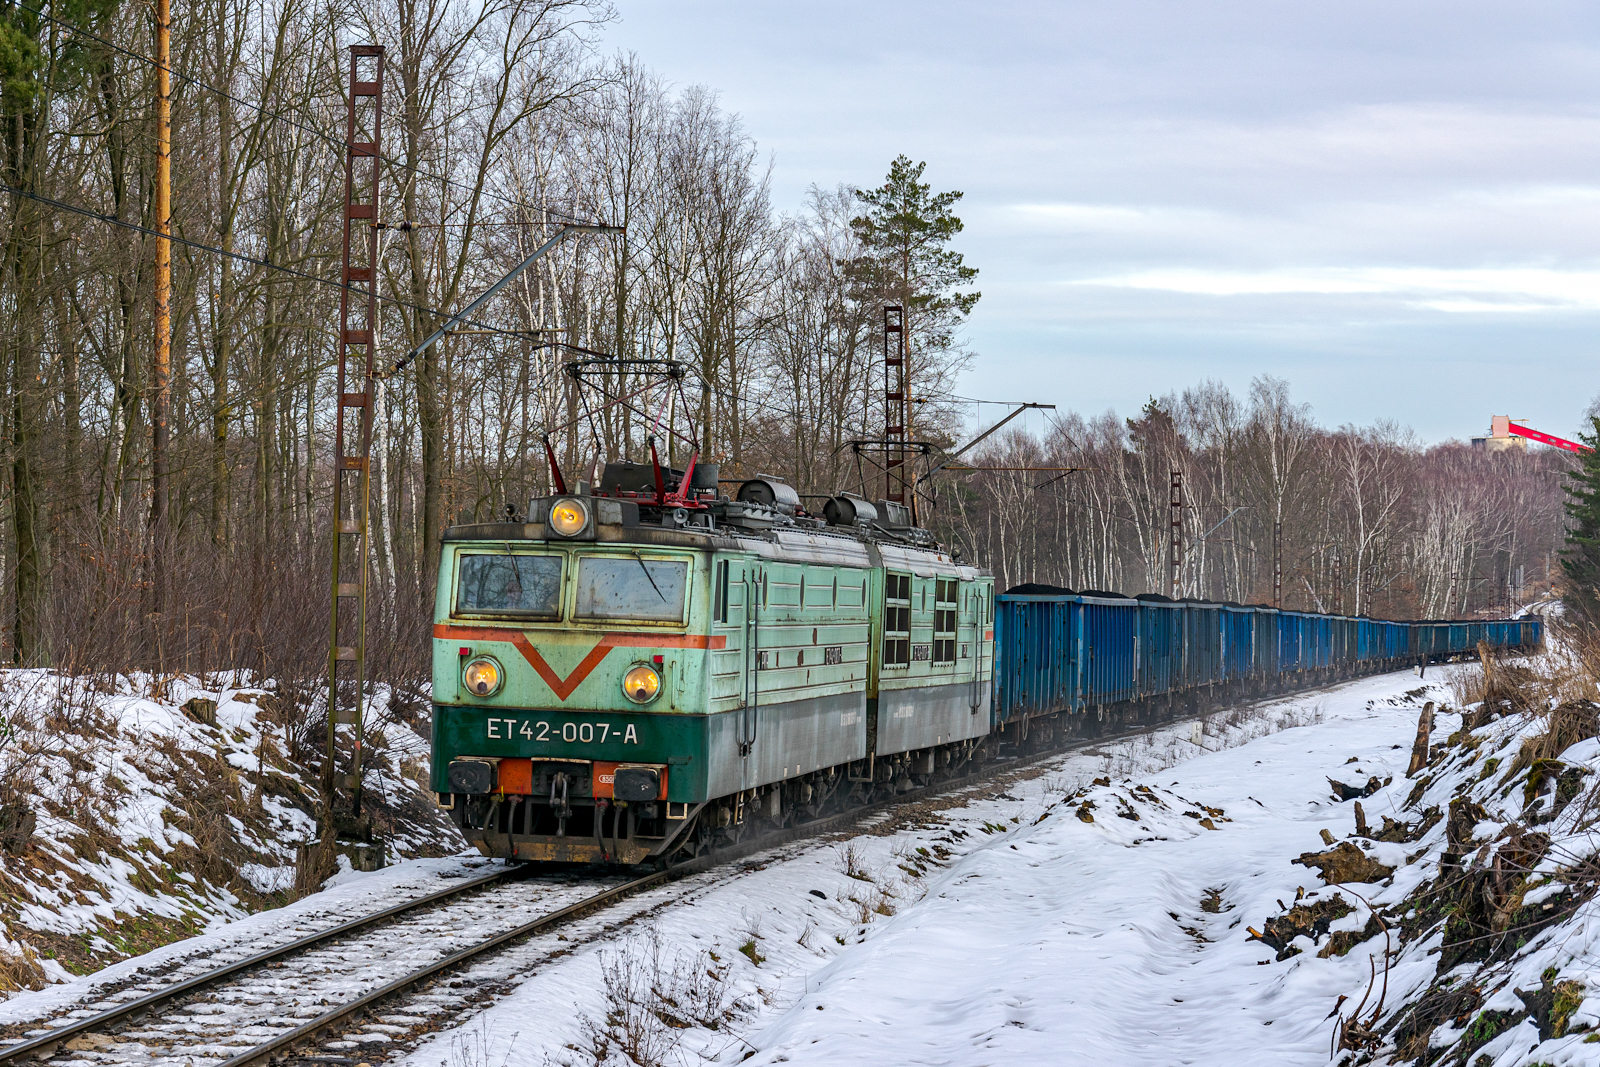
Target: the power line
(806, 417)
(281, 117)
(87, 213)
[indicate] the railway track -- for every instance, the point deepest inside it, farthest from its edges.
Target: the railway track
(381, 976)
(269, 991)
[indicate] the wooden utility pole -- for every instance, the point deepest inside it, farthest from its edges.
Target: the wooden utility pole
(161, 364)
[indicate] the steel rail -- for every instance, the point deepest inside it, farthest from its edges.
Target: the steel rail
(284, 1043)
(45, 1044)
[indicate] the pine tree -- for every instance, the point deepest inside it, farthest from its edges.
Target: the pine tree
(1581, 559)
(1155, 427)
(905, 232)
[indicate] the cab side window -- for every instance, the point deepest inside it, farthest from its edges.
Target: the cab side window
(944, 620)
(896, 620)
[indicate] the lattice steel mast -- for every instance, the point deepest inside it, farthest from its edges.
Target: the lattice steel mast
(898, 481)
(352, 453)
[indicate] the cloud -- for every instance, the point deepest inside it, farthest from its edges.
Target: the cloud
(1225, 189)
(1512, 289)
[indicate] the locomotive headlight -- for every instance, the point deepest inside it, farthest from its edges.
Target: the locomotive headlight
(569, 517)
(482, 677)
(641, 684)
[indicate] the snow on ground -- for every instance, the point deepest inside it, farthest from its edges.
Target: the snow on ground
(1067, 941)
(349, 895)
(1096, 908)
(1010, 930)
(138, 810)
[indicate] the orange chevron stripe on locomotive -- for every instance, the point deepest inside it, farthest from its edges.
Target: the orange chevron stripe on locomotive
(563, 687)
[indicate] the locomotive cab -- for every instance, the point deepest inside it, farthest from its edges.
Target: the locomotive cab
(559, 644)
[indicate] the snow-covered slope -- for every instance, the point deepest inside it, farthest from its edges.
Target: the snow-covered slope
(1152, 901)
(127, 822)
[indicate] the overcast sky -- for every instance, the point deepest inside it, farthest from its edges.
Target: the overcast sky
(1393, 205)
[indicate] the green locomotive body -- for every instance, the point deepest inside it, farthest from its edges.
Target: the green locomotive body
(608, 687)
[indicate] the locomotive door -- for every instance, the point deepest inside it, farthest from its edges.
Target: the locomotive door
(976, 697)
(750, 712)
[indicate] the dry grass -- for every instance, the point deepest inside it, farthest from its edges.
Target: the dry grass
(1574, 661)
(850, 862)
(1466, 683)
(1060, 786)
(19, 969)
(471, 1047)
(652, 999)
(1568, 671)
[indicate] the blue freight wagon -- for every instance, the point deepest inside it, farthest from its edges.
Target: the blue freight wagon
(1119, 660)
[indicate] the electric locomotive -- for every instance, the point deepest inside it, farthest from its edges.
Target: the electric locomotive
(646, 668)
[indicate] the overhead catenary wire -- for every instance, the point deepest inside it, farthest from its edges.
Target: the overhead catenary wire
(279, 116)
(239, 256)
(799, 415)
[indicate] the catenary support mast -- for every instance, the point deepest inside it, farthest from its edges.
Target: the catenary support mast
(898, 480)
(352, 453)
(1175, 541)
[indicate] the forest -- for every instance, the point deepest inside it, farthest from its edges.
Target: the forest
(1272, 508)
(205, 546)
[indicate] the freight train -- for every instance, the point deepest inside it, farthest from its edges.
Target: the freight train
(645, 669)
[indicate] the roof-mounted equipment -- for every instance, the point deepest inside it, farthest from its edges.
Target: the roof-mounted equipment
(894, 515)
(847, 509)
(767, 491)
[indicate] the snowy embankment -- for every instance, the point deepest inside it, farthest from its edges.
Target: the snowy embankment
(135, 811)
(1049, 919)
(1152, 901)
(1178, 915)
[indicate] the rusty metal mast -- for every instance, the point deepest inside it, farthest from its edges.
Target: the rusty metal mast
(1175, 544)
(352, 453)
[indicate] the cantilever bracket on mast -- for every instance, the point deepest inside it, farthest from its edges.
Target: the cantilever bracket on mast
(539, 253)
(970, 445)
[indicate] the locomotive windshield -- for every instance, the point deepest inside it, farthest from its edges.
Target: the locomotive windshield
(509, 584)
(631, 587)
